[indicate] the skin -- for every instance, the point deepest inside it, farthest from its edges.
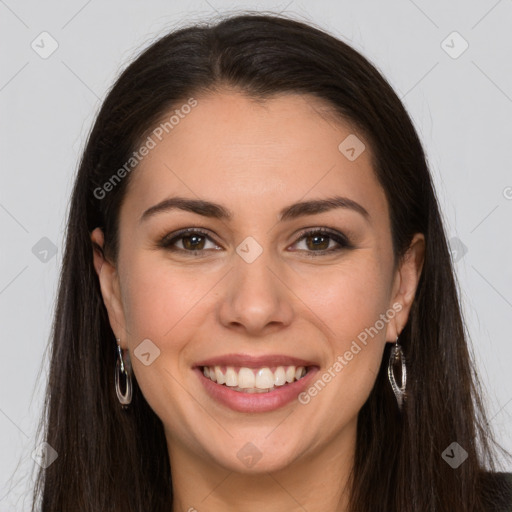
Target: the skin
(255, 159)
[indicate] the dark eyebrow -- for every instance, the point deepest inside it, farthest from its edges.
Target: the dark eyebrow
(217, 211)
(322, 205)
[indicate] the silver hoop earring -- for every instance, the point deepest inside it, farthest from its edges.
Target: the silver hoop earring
(126, 397)
(397, 356)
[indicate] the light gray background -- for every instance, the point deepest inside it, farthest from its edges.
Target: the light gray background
(461, 106)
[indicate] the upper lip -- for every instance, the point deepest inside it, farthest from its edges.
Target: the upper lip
(249, 361)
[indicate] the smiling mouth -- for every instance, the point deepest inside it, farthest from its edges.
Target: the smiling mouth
(254, 380)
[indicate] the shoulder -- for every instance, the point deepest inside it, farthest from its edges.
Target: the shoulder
(498, 488)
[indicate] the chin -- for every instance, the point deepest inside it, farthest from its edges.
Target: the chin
(249, 457)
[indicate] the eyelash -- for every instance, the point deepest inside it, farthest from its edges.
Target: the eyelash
(343, 242)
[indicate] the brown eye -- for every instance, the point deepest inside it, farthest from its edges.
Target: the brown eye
(318, 241)
(321, 241)
(192, 241)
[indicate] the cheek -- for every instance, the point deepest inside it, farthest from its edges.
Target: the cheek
(158, 298)
(351, 303)
(348, 298)
(160, 304)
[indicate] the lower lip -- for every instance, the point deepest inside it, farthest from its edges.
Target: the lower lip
(256, 402)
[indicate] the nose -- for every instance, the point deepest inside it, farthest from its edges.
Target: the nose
(256, 298)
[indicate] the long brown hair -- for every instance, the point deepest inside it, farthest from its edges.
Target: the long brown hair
(115, 460)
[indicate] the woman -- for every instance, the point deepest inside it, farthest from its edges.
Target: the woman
(257, 307)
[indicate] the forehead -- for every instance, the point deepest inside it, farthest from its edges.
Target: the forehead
(232, 149)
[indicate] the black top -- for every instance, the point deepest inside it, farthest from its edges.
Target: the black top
(499, 486)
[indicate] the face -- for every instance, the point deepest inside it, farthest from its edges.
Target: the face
(316, 284)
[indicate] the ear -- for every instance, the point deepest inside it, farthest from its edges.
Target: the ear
(405, 284)
(110, 288)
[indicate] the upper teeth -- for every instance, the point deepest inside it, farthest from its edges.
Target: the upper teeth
(260, 378)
